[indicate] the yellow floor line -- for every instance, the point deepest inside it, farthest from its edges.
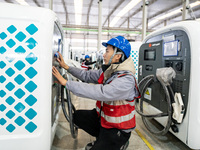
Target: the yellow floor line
(145, 140)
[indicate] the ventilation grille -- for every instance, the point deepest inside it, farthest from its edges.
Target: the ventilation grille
(177, 86)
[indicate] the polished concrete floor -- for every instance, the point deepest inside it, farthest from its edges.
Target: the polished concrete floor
(140, 139)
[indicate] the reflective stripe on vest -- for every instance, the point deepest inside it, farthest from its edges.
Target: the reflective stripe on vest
(118, 114)
(84, 66)
(119, 119)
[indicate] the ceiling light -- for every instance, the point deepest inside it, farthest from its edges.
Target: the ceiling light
(171, 13)
(22, 2)
(164, 16)
(78, 5)
(127, 8)
(195, 4)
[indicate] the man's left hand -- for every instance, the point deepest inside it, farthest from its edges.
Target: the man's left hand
(61, 80)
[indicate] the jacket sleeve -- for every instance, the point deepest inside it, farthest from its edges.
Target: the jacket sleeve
(90, 76)
(90, 63)
(119, 89)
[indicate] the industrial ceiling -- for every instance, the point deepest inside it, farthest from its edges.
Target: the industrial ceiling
(80, 18)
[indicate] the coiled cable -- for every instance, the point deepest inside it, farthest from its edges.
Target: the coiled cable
(71, 109)
(147, 81)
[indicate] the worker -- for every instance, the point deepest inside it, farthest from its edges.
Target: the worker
(86, 63)
(115, 91)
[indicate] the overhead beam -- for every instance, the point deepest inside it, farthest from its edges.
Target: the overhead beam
(88, 13)
(118, 4)
(95, 28)
(173, 17)
(165, 10)
(137, 11)
(178, 15)
(66, 12)
(161, 12)
(134, 13)
(83, 14)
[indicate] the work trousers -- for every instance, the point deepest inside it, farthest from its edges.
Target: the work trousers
(107, 139)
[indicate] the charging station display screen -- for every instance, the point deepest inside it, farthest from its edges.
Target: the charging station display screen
(150, 54)
(170, 48)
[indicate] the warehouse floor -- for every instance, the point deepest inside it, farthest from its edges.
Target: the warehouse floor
(141, 138)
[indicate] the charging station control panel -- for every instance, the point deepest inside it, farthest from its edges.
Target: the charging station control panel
(170, 49)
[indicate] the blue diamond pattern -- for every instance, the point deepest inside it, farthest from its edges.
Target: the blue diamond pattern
(2, 50)
(2, 107)
(2, 79)
(20, 36)
(20, 49)
(31, 58)
(10, 72)
(31, 86)
(10, 43)
(30, 127)
(10, 128)
(19, 121)
(31, 29)
(2, 93)
(10, 100)
(2, 121)
(19, 65)
(10, 86)
(19, 107)
(31, 72)
(11, 29)
(10, 59)
(30, 100)
(10, 114)
(3, 35)
(31, 43)
(19, 93)
(19, 79)
(30, 114)
(2, 64)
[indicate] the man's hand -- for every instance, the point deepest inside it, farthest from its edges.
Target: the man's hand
(61, 80)
(61, 62)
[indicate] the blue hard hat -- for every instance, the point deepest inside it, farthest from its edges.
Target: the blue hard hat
(121, 43)
(87, 56)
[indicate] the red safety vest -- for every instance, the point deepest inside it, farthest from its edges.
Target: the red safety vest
(118, 114)
(85, 67)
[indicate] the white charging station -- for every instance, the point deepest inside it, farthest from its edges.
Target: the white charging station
(175, 46)
(29, 107)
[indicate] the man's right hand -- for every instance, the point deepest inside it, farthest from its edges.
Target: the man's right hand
(61, 62)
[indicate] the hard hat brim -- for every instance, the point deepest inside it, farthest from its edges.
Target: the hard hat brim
(104, 44)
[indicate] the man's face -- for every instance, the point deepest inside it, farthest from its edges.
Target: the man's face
(87, 59)
(107, 55)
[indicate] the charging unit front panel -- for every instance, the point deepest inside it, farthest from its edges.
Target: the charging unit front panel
(175, 46)
(153, 55)
(26, 58)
